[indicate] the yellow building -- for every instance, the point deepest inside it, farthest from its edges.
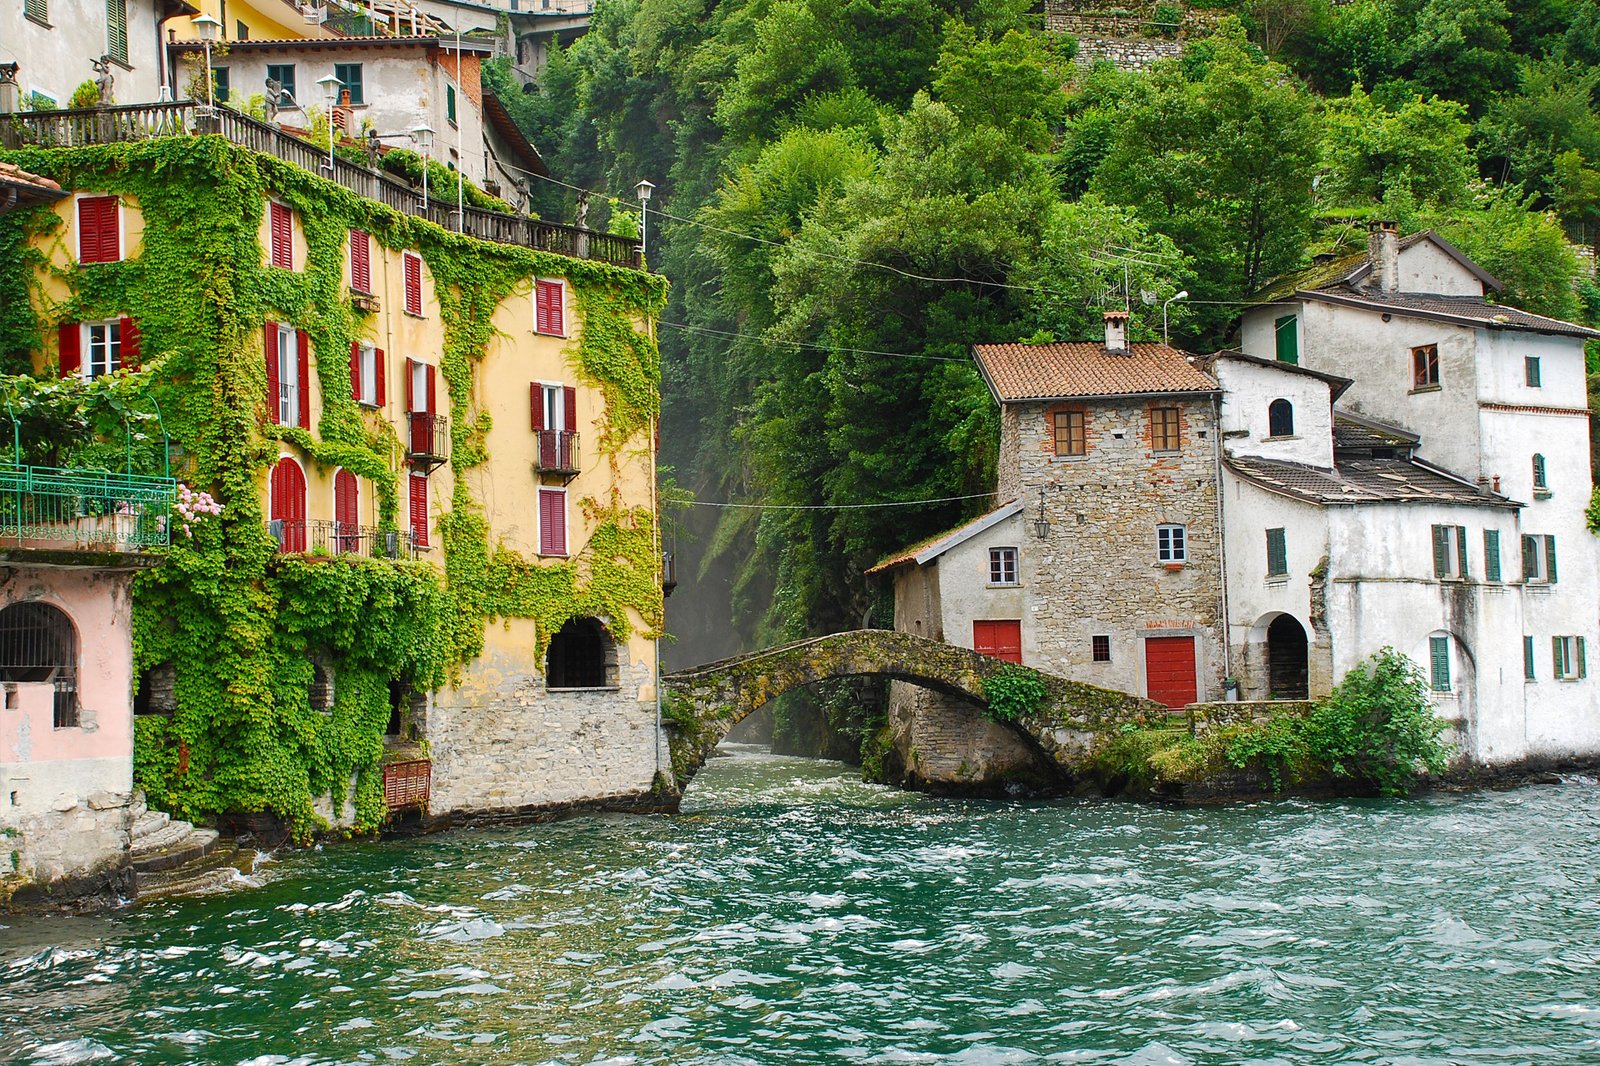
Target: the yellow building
(435, 455)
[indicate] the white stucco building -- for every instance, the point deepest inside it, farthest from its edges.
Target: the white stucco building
(54, 43)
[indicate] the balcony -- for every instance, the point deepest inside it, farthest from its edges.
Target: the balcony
(141, 122)
(427, 439)
(51, 509)
(324, 539)
(557, 453)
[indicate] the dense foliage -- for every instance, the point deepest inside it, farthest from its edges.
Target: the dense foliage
(852, 192)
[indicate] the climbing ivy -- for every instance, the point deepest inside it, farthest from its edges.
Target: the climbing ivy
(238, 622)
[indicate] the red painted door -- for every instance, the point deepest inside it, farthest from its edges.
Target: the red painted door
(1169, 670)
(1001, 638)
(346, 511)
(289, 503)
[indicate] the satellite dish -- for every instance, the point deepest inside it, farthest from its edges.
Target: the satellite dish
(1146, 296)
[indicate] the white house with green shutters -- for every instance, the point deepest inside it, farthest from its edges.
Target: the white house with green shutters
(1439, 509)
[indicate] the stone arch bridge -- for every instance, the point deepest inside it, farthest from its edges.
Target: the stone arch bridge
(704, 702)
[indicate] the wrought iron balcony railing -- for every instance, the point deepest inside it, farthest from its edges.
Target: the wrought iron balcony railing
(84, 510)
(138, 122)
(558, 452)
(427, 438)
(324, 538)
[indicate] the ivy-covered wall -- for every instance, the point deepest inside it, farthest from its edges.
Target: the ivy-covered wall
(238, 621)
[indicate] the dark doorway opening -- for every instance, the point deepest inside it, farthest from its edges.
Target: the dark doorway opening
(1287, 660)
(579, 656)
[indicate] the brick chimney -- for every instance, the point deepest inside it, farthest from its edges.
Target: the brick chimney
(1117, 332)
(1383, 255)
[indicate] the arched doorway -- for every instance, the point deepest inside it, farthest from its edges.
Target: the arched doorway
(1287, 659)
(38, 644)
(582, 655)
(289, 505)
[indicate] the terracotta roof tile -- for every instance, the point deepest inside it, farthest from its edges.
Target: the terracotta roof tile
(15, 175)
(1085, 368)
(940, 542)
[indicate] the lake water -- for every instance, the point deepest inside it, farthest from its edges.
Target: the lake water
(793, 914)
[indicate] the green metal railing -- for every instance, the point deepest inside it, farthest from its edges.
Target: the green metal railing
(85, 510)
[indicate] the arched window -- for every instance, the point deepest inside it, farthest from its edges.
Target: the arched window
(39, 644)
(582, 655)
(1280, 419)
(1539, 481)
(289, 505)
(346, 512)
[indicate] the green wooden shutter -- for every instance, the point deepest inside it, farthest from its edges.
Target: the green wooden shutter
(1550, 559)
(1277, 553)
(1439, 653)
(1491, 555)
(1530, 558)
(1583, 665)
(1441, 553)
(38, 10)
(450, 103)
(1527, 658)
(1558, 655)
(1461, 550)
(1287, 332)
(117, 30)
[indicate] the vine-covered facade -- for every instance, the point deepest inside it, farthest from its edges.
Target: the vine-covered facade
(435, 460)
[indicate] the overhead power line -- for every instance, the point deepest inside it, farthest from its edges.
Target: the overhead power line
(802, 344)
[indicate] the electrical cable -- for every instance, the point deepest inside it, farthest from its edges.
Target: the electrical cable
(803, 344)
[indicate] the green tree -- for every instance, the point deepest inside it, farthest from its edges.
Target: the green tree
(1011, 84)
(1524, 248)
(1418, 151)
(1459, 49)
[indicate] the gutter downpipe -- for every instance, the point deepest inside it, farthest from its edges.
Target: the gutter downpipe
(1222, 541)
(655, 507)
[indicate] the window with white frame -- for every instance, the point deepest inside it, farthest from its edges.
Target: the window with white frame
(554, 400)
(1449, 551)
(1568, 655)
(102, 348)
(1002, 566)
(367, 373)
(288, 378)
(1172, 544)
(1539, 559)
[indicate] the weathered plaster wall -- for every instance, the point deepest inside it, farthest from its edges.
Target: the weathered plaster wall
(64, 793)
(54, 59)
(1426, 268)
(1249, 391)
(940, 744)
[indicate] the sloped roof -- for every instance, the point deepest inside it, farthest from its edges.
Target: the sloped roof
(926, 551)
(1460, 310)
(1354, 268)
(1079, 369)
(505, 128)
(18, 186)
(1358, 431)
(1337, 385)
(1353, 481)
(352, 43)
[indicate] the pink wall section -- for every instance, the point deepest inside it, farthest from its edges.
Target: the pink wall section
(97, 602)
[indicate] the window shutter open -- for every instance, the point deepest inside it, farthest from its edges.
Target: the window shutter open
(71, 337)
(269, 344)
(1441, 553)
(304, 342)
(1583, 664)
(1527, 658)
(536, 405)
(411, 378)
(130, 336)
(1557, 658)
(1461, 550)
(1550, 559)
(377, 365)
(569, 407)
(355, 370)
(1491, 554)
(433, 392)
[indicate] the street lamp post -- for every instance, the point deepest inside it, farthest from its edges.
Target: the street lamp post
(1184, 295)
(206, 28)
(644, 189)
(330, 92)
(422, 137)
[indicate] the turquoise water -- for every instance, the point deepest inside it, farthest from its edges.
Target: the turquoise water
(796, 915)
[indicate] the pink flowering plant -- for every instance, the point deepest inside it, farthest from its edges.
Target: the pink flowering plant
(194, 507)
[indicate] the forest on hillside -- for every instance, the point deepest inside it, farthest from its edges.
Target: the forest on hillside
(850, 193)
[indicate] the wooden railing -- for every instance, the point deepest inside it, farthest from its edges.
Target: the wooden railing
(136, 122)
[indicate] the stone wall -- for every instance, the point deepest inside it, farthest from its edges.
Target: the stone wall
(943, 745)
(1205, 717)
(75, 852)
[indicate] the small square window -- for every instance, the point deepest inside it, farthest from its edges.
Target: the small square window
(1425, 367)
(349, 75)
(1102, 648)
(1002, 566)
(283, 74)
(1530, 369)
(1172, 544)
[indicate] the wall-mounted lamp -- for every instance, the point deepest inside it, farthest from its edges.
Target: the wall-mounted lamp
(1041, 525)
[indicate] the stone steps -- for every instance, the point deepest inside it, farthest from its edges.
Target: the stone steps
(173, 845)
(225, 867)
(147, 823)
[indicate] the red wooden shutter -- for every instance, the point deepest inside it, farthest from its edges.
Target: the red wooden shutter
(536, 405)
(130, 336)
(345, 509)
(433, 406)
(411, 377)
(305, 377)
(419, 509)
(282, 232)
(552, 522)
(413, 284)
(569, 401)
(557, 327)
(99, 232)
(71, 336)
(360, 261)
(355, 370)
(541, 307)
(377, 365)
(270, 344)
